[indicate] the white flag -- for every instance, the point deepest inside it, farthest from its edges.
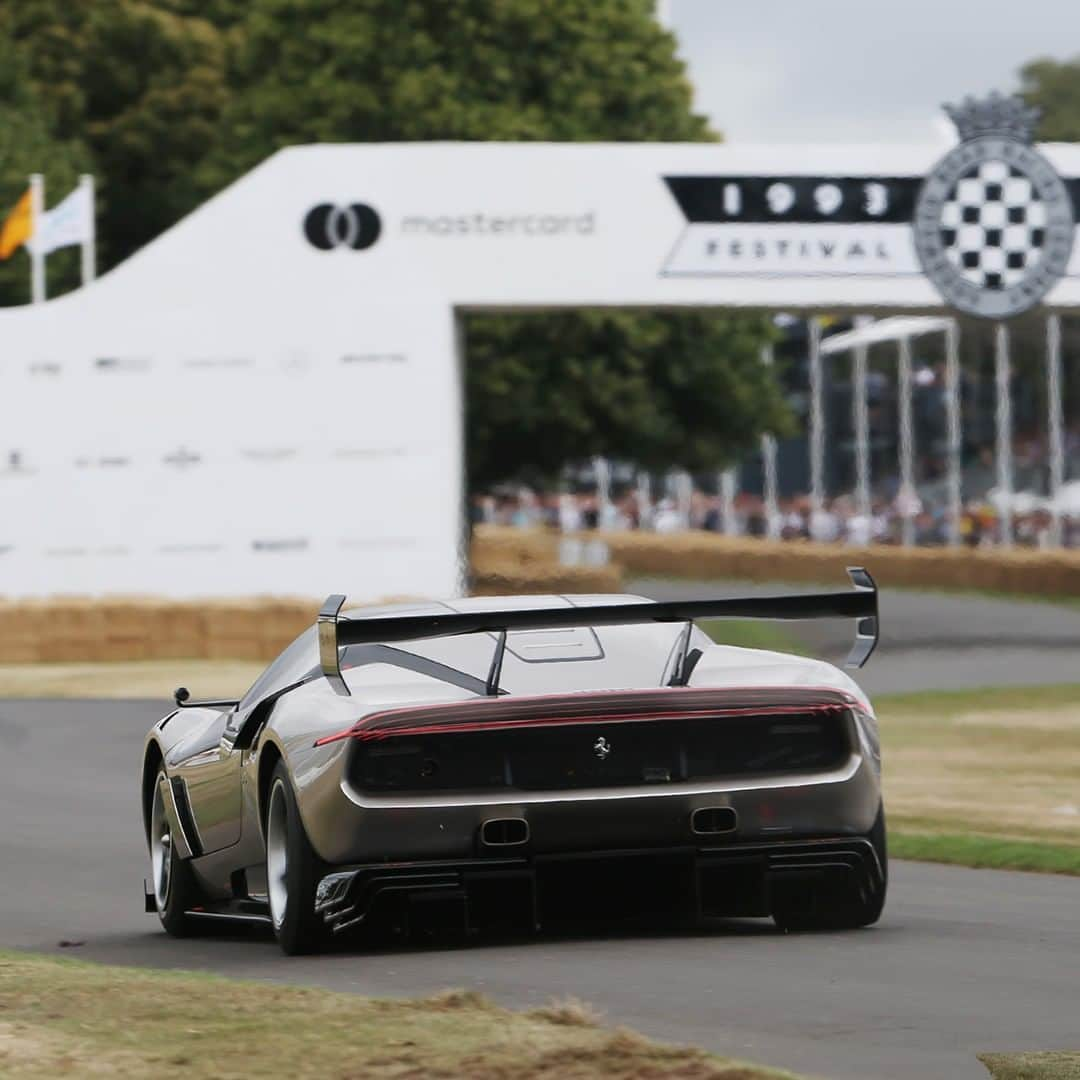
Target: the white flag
(68, 222)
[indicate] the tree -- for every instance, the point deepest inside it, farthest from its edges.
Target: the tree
(28, 145)
(544, 390)
(144, 87)
(401, 70)
(1054, 87)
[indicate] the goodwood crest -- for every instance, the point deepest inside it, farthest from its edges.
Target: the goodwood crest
(994, 221)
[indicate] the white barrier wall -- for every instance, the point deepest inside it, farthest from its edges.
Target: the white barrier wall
(267, 398)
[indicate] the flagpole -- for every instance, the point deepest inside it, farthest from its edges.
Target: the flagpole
(37, 258)
(89, 245)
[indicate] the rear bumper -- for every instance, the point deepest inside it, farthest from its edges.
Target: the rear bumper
(348, 827)
(696, 883)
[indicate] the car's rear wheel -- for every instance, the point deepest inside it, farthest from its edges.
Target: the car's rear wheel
(175, 890)
(846, 910)
(292, 870)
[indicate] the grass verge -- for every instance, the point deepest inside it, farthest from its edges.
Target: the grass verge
(1051, 1065)
(74, 1018)
(985, 777)
(985, 852)
(751, 634)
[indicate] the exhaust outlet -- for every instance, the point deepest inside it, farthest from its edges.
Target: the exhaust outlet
(710, 820)
(504, 832)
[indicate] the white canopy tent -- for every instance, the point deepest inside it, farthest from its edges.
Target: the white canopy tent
(901, 330)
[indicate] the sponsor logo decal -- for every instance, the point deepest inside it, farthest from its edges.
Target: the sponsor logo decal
(991, 226)
(478, 223)
(269, 453)
(122, 363)
(374, 358)
(745, 225)
(45, 367)
(283, 544)
(203, 362)
(14, 463)
(356, 226)
(107, 462)
(182, 458)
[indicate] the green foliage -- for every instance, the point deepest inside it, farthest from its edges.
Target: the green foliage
(401, 70)
(655, 389)
(987, 852)
(1054, 86)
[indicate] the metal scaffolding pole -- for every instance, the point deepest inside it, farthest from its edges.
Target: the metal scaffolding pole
(861, 420)
(768, 465)
(37, 255)
(1003, 419)
(729, 488)
(644, 500)
(953, 406)
(907, 449)
(817, 419)
(1054, 423)
(602, 472)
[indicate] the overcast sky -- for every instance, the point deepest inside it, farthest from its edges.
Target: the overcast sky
(858, 70)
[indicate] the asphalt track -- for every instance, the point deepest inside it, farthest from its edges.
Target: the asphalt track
(963, 960)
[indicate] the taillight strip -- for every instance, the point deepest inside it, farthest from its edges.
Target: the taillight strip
(375, 734)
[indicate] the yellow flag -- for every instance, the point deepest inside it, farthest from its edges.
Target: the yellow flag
(18, 228)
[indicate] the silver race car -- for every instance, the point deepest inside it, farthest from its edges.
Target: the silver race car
(522, 762)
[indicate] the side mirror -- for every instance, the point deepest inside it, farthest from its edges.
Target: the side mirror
(182, 697)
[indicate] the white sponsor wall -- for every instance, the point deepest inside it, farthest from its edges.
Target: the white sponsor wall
(267, 398)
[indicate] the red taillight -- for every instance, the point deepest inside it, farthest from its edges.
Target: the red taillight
(364, 730)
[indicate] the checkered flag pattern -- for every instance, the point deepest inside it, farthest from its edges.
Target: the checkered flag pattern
(993, 225)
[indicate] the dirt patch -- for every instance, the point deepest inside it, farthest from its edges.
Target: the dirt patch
(64, 1017)
(1050, 719)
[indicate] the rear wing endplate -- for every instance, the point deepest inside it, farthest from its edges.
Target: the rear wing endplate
(335, 633)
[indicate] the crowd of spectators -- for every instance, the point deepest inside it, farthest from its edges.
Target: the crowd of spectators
(889, 521)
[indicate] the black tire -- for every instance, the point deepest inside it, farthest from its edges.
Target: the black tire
(173, 881)
(851, 912)
(298, 929)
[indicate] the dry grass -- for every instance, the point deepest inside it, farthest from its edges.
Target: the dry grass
(1052, 1065)
(63, 1017)
(1001, 764)
(131, 679)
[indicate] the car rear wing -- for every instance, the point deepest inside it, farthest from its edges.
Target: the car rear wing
(860, 604)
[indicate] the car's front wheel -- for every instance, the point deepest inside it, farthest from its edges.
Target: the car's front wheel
(175, 890)
(292, 870)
